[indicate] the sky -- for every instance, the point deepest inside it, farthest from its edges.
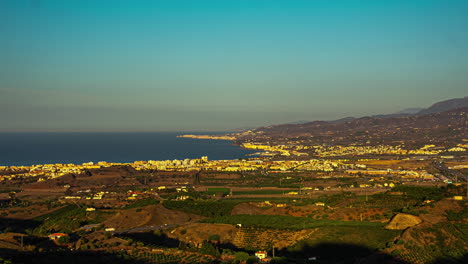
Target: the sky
(173, 65)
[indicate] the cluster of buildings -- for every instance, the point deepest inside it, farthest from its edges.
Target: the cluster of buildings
(50, 171)
(253, 164)
(268, 150)
(403, 173)
(296, 149)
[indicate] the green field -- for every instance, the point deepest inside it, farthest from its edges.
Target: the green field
(141, 203)
(203, 207)
(212, 191)
(68, 219)
(263, 192)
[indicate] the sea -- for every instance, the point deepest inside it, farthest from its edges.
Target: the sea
(27, 149)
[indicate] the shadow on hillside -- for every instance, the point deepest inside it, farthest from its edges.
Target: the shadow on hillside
(445, 260)
(338, 253)
(17, 225)
(69, 257)
(349, 253)
(40, 243)
(318, 254)
(150, 238)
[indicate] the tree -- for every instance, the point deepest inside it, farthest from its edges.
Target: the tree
(208, 249)
(214, 237)
(252, 260)
(243, 256)
(64, 239)
(68, 192)
(5, 261)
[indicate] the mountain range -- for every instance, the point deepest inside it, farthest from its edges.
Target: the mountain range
(435, 108)
(445, 121)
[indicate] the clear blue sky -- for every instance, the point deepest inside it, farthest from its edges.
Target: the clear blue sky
(171, 65)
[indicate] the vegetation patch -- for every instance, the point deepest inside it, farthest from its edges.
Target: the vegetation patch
(371, 237)
(284, 222)
(212, 191)
(204, 208)
(142, 203)
(262, 192)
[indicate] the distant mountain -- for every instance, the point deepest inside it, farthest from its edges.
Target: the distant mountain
(299, 122)
(445, 106)
(435, 108)
(410, 111)
(342, 120)
(434, 124)
(243, 129)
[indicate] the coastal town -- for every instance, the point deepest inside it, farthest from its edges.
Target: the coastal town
(282, 204)
(274, 164)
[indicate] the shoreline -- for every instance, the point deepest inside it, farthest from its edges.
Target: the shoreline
(263, 153)
(231, 138)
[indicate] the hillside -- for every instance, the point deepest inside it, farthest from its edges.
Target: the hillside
(445, 106)
(152, 215)
(437, 127)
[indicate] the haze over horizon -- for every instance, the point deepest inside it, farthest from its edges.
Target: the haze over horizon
(220, 65)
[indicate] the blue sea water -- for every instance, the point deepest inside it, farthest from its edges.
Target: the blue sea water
(46, 148)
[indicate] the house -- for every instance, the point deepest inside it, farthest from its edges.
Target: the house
(261, 254)
(182, 198)
(135, 193)
(72, 197)
(56, 236)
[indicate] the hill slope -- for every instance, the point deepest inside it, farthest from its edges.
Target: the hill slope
(444, 127)
(445, 106)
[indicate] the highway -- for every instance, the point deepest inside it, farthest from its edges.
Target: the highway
(453, 176)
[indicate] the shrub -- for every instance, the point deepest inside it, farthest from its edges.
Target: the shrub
(142, 203)
(241, 256)
(208, 249)
(204, 208)
(214, 237)
(252, 260)
(64, 239)
(107, 235)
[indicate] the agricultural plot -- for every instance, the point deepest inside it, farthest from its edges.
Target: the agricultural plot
(212, 191)
(204, 208)
(175, 257)
(263, 192)
(284, 222)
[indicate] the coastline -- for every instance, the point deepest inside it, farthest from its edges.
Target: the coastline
(21, 149)
(208, 137)
(265, 150)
